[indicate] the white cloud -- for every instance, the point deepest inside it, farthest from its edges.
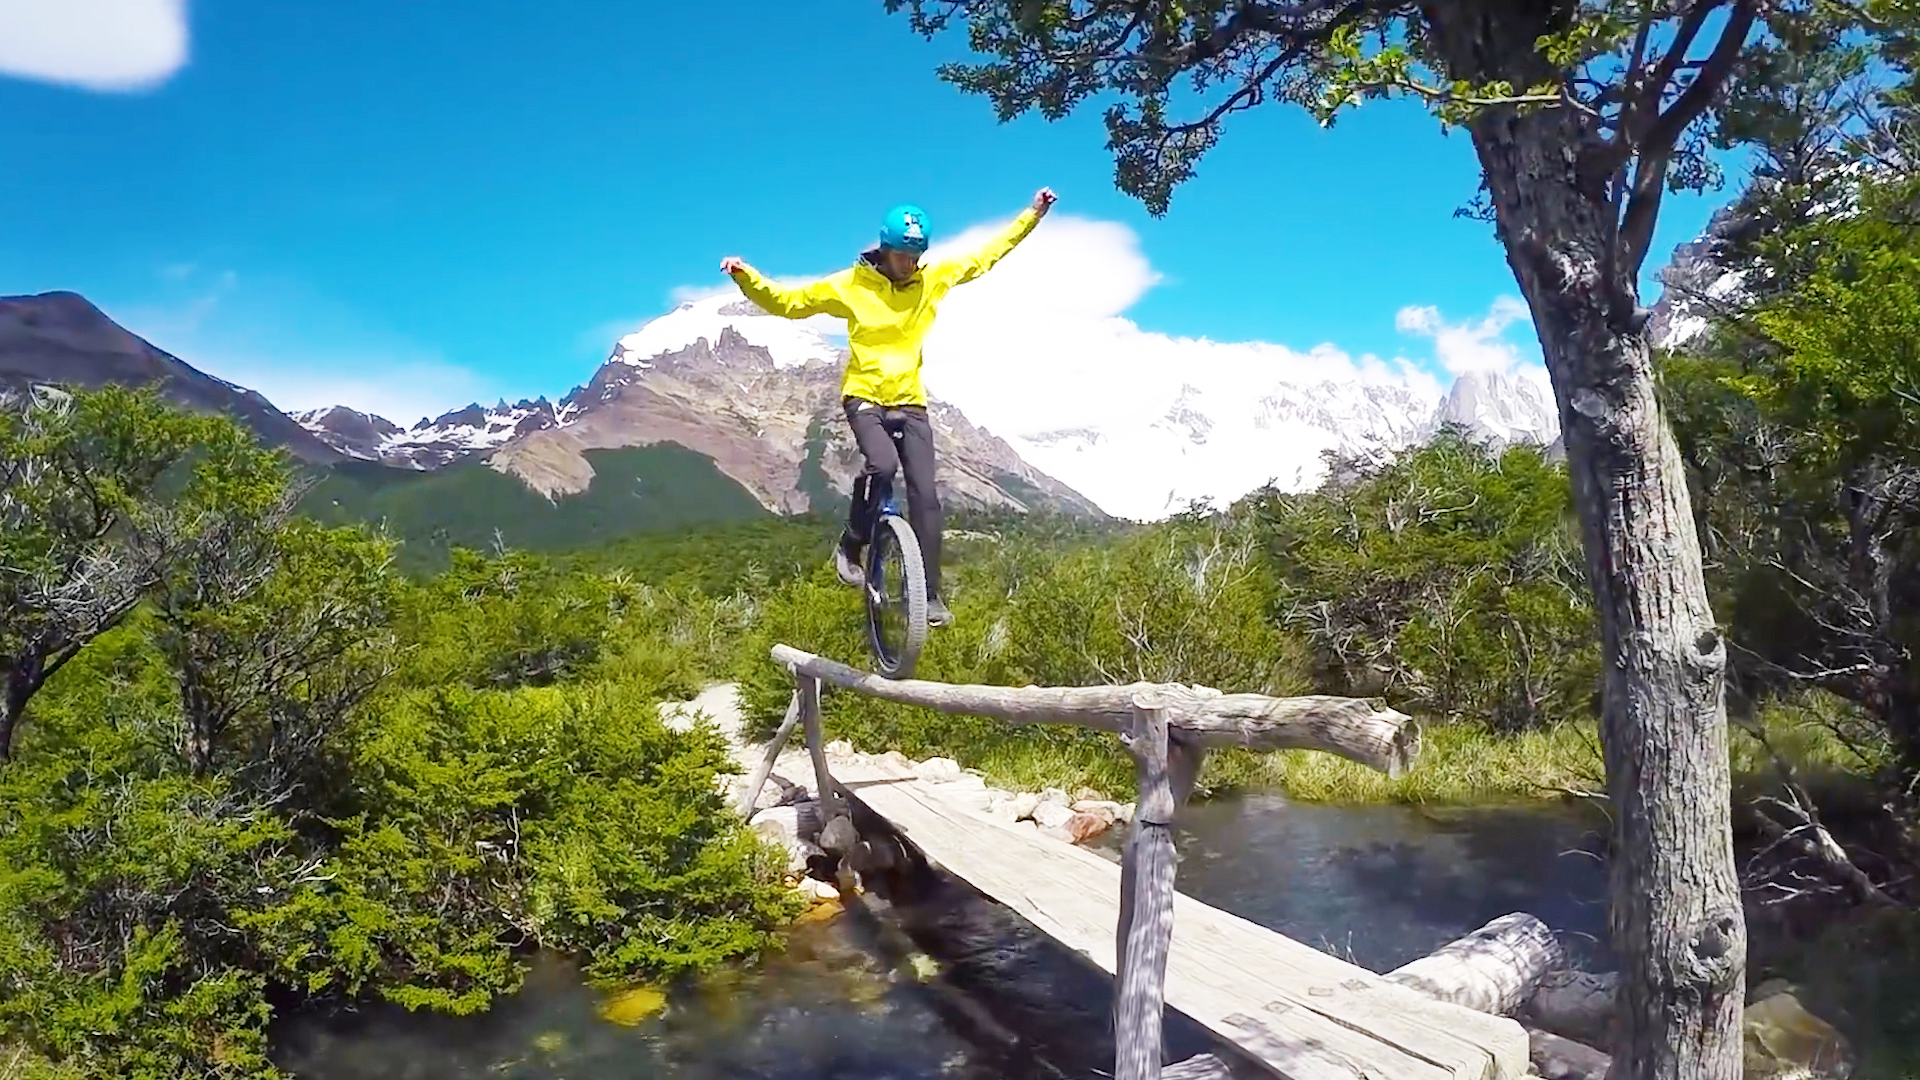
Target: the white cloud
(101, 45)
(1475, 345)
(1040, 352)
(1041, 342)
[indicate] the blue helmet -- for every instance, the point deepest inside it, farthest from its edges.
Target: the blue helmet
(905, 229)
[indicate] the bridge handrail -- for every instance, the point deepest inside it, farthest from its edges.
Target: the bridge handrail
(1362, 730)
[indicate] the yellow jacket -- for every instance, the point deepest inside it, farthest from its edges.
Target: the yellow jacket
(886, 323)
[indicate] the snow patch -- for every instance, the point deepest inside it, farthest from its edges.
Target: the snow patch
(791, 342)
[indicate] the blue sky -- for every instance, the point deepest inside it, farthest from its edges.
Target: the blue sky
(406, 206)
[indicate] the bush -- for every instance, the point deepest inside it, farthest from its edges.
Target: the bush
(1449, 580)
(286, 769)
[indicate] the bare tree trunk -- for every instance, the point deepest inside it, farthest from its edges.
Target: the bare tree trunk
(1677, 920)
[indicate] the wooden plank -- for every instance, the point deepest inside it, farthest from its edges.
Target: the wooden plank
(1305, 1014)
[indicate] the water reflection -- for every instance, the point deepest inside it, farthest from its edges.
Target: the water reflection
(1383, 885)
(822, 1010)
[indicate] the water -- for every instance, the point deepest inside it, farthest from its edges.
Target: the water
(1379, 885)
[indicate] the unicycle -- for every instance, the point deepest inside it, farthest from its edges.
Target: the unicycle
(896, 593)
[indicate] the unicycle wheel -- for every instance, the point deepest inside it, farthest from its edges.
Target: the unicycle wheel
(896, 592)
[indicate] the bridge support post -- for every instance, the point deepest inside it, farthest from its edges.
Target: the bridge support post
(838, 837)
(774, 746)
(1165, 769)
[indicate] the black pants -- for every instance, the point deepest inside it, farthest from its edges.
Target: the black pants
(873, 429)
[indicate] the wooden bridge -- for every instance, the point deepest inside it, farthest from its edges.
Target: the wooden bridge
(1300, 1013)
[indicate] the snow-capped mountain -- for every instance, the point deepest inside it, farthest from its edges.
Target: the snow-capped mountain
(430, 443)
(757, 394)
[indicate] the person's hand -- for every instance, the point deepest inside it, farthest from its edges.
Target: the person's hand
(1043, 200)
(731, 264)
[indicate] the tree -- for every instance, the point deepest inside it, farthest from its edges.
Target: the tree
(85, 523)
(1583, 115)
(1798, 421)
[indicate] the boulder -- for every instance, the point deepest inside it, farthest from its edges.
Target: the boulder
(1052, 815)
(1055, 795)
(1786, 1042)
(1084, 827)
(780, 826)
(1101, 808)
(840, 748)
(1017, 807)
(1086, 794)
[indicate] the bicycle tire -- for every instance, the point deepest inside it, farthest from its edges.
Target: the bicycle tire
(893, 532)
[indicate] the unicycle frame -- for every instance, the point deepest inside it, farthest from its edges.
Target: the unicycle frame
(891, 529)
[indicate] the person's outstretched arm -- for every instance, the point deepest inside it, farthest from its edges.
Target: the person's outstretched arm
(967, 267)
(817, 298)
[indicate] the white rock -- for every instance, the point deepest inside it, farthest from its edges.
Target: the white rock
(1049, 815)
(840, 748)
(780, 826)
(1054, 832)
(938, 770)
(1125, 813)
(1107, 811)
(1018, 807)
(1055, 795)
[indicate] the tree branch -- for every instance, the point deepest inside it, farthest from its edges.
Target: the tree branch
(1665, 129)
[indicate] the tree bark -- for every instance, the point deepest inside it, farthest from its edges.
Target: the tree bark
(1494, 969)
(23, 679)
(1145, 927)
(1676, 917)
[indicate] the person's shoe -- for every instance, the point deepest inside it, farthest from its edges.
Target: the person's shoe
(846, 563)
(937, 613)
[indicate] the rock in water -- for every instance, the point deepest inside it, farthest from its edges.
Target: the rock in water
(632, 1006)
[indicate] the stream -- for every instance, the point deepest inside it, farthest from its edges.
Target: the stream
(1379, 885)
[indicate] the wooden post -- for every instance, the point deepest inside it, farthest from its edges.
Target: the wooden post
(807, 695)
(1145, 934)
(774, 746)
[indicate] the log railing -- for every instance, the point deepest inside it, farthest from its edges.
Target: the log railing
(1166, 728)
